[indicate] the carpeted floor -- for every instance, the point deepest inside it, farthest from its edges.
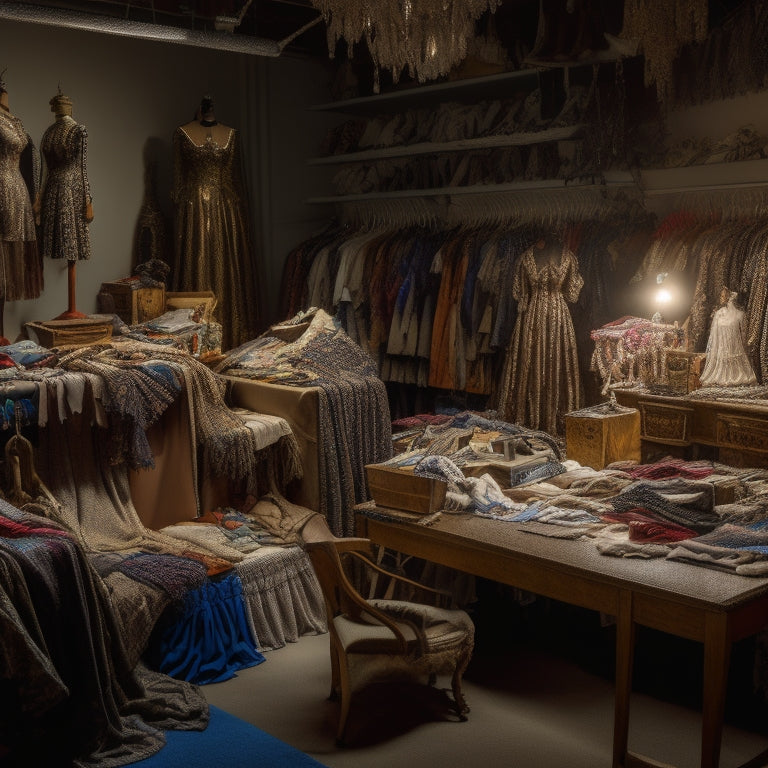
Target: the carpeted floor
(540, 692)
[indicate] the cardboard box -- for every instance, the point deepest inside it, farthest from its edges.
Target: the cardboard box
(399, 488)
(130, 301)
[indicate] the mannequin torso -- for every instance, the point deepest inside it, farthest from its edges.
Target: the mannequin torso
(201, 134)
(548, 251)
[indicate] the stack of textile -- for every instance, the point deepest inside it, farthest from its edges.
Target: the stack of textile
(70, 694)
(312, 350)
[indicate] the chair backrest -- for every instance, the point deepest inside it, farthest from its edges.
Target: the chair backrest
(340, 596)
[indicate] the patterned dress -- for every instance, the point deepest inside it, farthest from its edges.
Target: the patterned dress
(66, 192)
(21, 275)
(541, 381)
(212, 238)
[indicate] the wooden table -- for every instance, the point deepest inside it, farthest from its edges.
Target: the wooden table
(711, 607)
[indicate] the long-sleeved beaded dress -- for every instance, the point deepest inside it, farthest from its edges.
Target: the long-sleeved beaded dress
(212, 249)
(66, 194)
(541, 381)
(20, 260)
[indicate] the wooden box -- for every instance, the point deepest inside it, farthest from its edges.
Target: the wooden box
(191, 300)
(398, 488)
(602, 434)
(131, 302)
(70, 333)
(684, 370)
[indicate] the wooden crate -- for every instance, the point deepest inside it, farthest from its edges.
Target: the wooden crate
(191, 300)
(132, 303)
(598, 436)
(684, 370)
(70, 333)
(398, 488)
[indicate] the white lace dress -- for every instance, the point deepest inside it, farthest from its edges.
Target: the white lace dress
(727, 363)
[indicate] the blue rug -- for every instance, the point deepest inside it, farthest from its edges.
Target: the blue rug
(228, 742)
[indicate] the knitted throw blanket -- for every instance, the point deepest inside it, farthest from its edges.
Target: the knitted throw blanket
(143, 380)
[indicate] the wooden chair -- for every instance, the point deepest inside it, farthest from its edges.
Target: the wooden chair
(376, 639)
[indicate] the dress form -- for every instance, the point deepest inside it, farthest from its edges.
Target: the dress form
(66, 131)
(21, 268)
(213, 250)
(206, 127)
(727, 363)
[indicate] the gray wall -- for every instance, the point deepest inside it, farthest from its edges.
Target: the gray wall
(131, 95)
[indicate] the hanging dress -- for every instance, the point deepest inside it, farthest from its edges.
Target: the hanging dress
(212, 234)
(66, 193)
(21, 275)
(541, 381)
(727, 363)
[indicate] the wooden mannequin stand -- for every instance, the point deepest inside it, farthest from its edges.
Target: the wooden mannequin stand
(72, 312)
(71, 328)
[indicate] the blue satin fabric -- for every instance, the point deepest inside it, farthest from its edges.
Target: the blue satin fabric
(210, 639)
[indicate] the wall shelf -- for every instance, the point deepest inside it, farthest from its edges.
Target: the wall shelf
(470, 90)
(612, 180)
(461, 145)
(709, 177)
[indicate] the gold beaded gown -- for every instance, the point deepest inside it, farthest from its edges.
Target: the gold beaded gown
(20, 260)
(541, 381)
(212, 249)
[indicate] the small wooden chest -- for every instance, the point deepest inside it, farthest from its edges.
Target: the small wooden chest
(602, 434)
(70, 333)
(131, 302)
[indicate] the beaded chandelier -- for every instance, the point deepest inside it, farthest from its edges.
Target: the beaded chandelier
(428, 37)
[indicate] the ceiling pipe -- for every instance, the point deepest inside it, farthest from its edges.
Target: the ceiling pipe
(223, 41)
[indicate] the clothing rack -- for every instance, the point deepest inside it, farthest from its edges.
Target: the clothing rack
(548, 207)
(727, 201)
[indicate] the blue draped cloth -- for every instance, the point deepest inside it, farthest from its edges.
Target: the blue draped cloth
(209, 639)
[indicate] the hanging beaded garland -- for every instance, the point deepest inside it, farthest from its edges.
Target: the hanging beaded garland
(426, 37)
(662, 27)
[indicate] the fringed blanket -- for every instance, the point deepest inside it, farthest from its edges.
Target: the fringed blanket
(355, 428)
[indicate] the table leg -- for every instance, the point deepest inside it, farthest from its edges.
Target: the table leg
(717, 656)
(625, 650)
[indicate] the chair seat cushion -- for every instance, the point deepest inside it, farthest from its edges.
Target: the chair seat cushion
(427, 629)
